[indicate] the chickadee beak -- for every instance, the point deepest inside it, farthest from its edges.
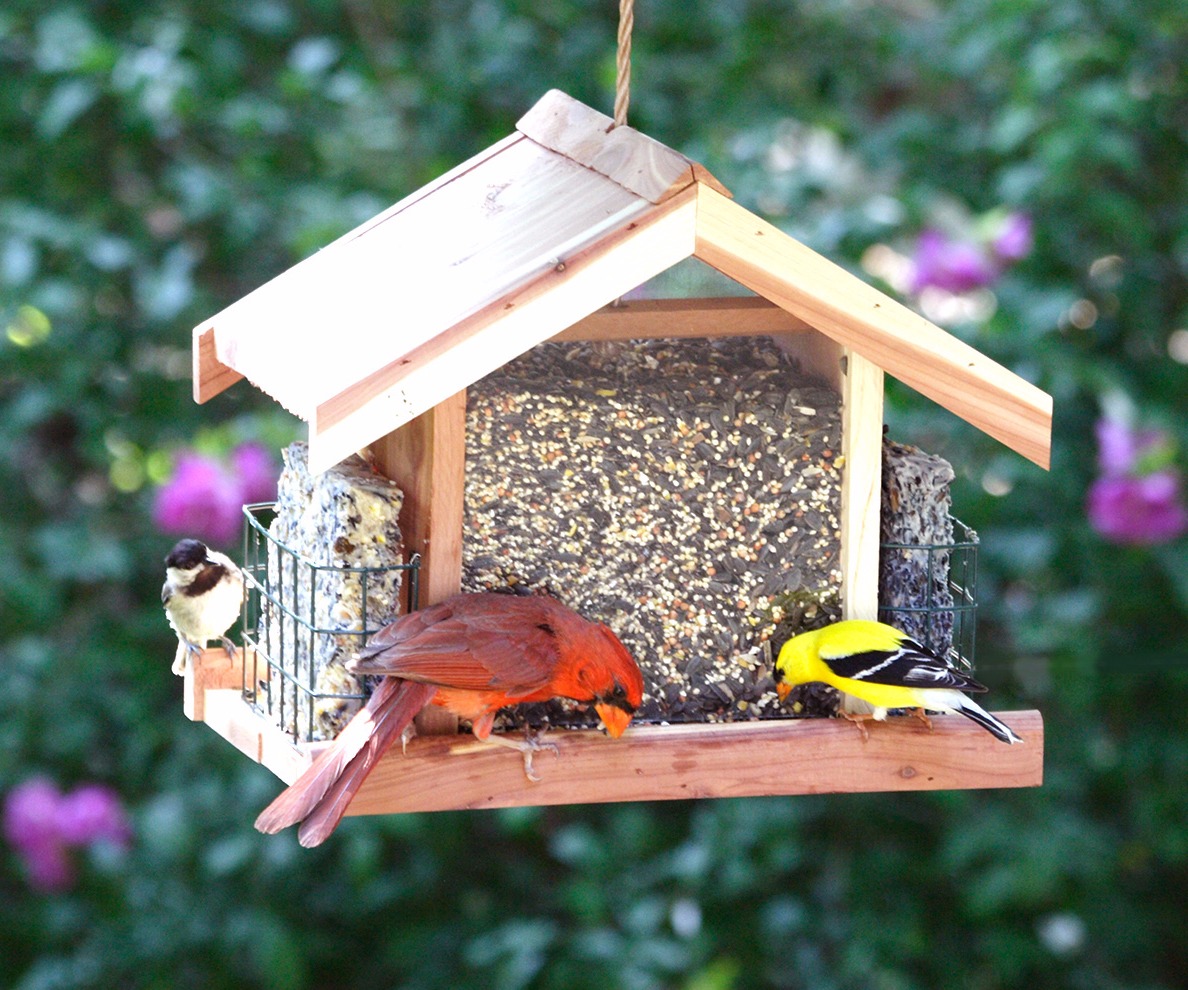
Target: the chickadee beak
(783, 689)
(615, 719)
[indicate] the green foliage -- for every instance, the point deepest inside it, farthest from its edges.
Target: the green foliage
(161, 159)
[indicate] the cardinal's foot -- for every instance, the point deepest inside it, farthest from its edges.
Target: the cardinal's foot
(532, 743)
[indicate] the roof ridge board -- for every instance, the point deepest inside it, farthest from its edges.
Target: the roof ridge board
(641, 164)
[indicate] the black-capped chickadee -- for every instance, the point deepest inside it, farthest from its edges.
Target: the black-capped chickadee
(202, 596)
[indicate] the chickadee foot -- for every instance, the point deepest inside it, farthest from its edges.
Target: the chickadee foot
(531, 744)
(229, 647)
(185, 650)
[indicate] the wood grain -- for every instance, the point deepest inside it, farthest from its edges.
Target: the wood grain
(210, 375)
(427, 459)
(208, 670)
(635, 161)
(861, 494)
(857, 315)
(367, 301)
(728, 316)
(392, 393)
(675, 762)
(664, 762)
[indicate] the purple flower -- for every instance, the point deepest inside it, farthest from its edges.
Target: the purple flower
(205, 499)
(93, 813)
(1137, 500)
(1013, 239)
(255, 470)
(48, 866)
(952, 265)
(1123, 450)
(1117, 449)
(1138, 511)
(200, 500)
(42, 825)
(31, 812)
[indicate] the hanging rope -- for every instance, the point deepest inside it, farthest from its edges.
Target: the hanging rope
(623, 61)
(623, 84)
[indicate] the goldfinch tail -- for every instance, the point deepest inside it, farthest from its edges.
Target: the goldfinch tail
(1000, 730)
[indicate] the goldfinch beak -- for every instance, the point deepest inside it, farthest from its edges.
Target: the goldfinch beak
(783, 689)
(615, 719)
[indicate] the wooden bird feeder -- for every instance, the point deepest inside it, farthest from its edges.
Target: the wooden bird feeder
(374, 340)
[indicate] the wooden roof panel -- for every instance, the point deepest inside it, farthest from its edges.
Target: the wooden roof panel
(524, 240)
(369, 299)
(855, 314)
(531, 312)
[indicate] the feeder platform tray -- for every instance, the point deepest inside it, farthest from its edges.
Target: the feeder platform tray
(649, 763)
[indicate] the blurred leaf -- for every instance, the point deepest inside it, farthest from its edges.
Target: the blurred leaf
(1174, 562)
(68, 101)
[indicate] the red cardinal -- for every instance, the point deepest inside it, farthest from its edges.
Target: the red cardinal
(472, 655)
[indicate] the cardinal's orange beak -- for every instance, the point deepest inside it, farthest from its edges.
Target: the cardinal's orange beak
(783, 689)
(615, 719)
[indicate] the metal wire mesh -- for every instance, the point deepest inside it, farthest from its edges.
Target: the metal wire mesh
(297, 634)
(943, 606)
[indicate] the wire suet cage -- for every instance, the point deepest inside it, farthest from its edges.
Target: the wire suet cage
(937, 604)
(303, 620)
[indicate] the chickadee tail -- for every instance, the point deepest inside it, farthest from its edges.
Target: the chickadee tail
(320, 796)
(1000, 730)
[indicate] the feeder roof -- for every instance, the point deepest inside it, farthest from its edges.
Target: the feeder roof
(525, 239)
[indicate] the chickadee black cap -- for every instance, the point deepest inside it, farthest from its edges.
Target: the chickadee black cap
(186, 555)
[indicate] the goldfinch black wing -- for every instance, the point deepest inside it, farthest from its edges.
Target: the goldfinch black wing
(909, 665)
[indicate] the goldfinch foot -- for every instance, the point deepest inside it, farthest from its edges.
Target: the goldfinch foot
(859, 719)
(921, 715)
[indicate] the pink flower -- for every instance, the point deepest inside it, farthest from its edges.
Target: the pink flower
(953, 265)
(1137, 501)
(48, 867)
(200, 500)
(93, 813)
(31, 812)
(42, 825)
(973, 256)
(204, 499)
(1013, 239)
(1138, 511)
(255, 470)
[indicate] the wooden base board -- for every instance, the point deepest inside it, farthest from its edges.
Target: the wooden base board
(660, 762)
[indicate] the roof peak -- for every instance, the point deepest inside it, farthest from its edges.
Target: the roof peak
(638, 163)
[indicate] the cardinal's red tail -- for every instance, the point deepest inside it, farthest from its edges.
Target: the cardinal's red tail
(319, 797)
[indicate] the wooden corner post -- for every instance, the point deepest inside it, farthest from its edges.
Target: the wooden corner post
(862, 492)
(427, 458)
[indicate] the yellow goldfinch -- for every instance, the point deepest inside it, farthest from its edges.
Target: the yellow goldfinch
(883, 667)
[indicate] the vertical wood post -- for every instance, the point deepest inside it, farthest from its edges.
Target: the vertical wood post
(427, 459)
(861, 495)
